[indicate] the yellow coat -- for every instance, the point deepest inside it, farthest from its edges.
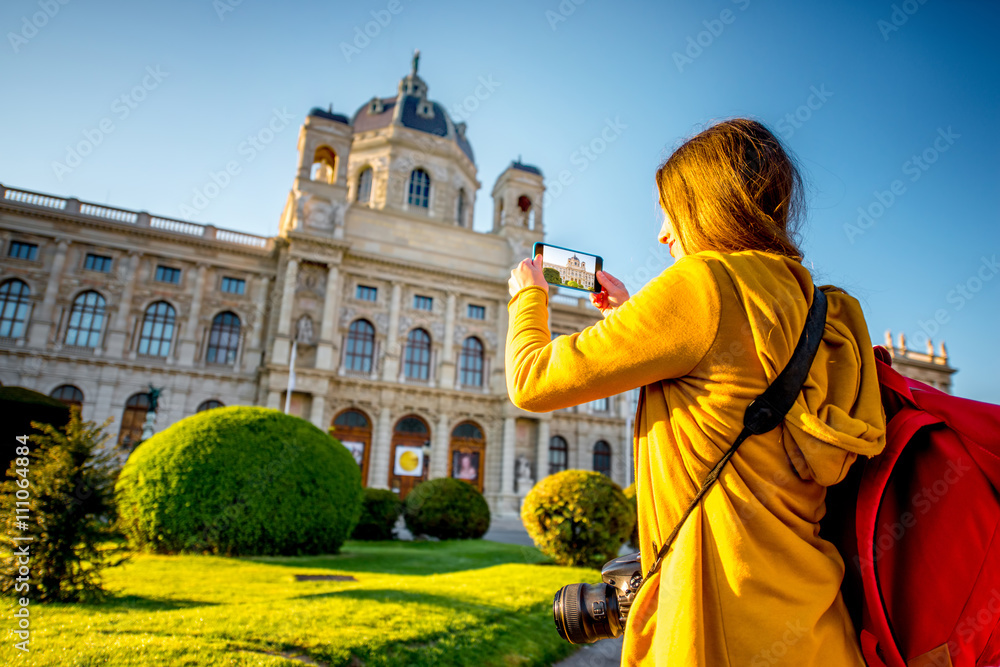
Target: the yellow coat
(748, 581)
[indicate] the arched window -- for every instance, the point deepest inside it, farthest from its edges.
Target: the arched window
(420, 188)
(223, 339)
(602, 458)
(527, 217)
(467, 454)
(86, 319)
(157, 330)
(324, 166)
(471, 362)
(13, 308)
(68, 394)
(558, 454)
(133, 418)
(460, 208)
(417, 362)
(365, 186)
(209, 404)
(360, 351)
(352, 419)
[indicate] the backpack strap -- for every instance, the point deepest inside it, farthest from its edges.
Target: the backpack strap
(766, 411)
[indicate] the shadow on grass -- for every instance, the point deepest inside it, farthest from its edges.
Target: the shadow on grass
(413, 558)
(140, 603)
(409, 597)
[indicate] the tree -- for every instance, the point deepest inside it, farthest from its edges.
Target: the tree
(67, 480)
(573, 283)
(552, 275)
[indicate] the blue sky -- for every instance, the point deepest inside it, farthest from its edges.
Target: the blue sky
(889, 107)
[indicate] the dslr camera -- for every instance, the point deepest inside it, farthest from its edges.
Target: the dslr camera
(586, 613)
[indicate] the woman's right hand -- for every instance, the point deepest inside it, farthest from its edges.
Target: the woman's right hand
(612, 295)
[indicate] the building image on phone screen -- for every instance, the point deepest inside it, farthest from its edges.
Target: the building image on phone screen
(572, 269)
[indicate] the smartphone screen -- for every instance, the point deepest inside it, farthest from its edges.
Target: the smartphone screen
(569, 268)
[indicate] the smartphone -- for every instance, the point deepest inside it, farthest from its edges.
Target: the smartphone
(569, 268)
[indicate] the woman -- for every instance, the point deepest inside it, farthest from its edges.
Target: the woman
(748, 580)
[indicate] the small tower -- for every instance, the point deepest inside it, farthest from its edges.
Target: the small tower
(318, 200)
(517, 206)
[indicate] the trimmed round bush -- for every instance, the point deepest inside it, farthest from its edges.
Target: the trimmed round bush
(633, 540)
(448, 509)
(239, 481)
(380, 509)
(578, 517)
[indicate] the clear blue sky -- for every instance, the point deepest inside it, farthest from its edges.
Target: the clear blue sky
(923, 83)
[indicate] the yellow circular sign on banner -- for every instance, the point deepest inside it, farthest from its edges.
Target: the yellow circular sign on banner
(408, 461)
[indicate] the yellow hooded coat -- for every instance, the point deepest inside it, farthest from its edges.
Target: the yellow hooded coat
(748, 580)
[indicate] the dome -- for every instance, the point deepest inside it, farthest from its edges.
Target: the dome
(411, 108)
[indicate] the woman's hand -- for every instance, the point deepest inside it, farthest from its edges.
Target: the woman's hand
(612, 295)
(528, 272)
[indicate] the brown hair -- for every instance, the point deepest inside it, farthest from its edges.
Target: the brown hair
(733, 187)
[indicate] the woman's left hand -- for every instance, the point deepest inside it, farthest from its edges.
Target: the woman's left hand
(528, 272)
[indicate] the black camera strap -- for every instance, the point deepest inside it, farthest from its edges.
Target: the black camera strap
(768, 410)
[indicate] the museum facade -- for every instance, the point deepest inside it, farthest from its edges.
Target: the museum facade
(376, 303)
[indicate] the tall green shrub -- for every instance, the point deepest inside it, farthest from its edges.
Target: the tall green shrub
(65, 480)
(448, 509)
(577, 517)
(380, 510)
(240, 481)
(633, 540)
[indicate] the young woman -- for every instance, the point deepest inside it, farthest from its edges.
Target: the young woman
(748, 580)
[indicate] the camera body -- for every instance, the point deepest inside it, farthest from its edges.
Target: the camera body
(586, 613)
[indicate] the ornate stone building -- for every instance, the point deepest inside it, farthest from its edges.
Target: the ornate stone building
(392, 306)
(930, 367)
(574, 269)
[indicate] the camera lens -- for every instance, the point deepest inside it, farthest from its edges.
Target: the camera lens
(586, 613)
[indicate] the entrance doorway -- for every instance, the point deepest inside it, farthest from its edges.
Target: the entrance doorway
(354, 430)
(467, 454)
(410, 457)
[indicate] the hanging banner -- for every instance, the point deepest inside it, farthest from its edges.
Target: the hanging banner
(409, 461)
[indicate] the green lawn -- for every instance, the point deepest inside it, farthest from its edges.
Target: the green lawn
(414, 603)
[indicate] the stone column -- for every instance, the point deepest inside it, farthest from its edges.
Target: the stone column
(318, 413)
(274, 400)
(115, 342)
(508, 499)
(254, 341)
(439, 447)
(189, 342)
(390, 365)
(41, 321)
(542, 450)
(326, 349)
(378, 466)
(282, 341)
(448, 350)
(499, 379)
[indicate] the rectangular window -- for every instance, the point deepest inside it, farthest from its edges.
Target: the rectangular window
(423, 302)
(97, 263)
(233, 285)
(477, 312)
(21, 250)
(366, 293)
(166, 274)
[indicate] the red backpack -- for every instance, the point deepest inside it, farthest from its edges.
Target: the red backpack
(919, 529)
